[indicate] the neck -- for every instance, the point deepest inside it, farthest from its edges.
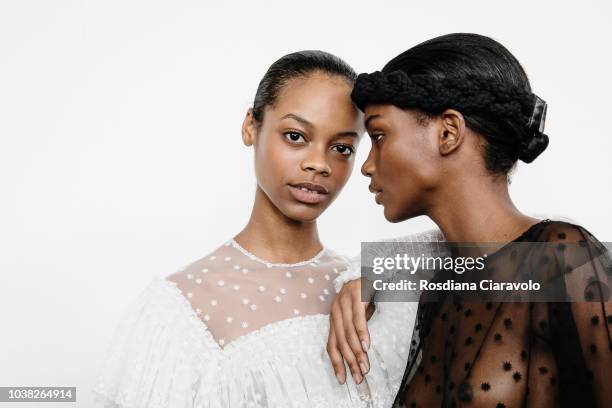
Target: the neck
(473, 211)
(272, 236)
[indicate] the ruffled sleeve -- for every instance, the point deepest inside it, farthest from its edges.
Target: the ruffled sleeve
(157, 357)
(352, 272)
(430, 242)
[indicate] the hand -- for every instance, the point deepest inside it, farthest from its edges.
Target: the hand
(349, 338)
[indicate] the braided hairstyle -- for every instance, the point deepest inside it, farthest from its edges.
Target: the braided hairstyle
(475, 75)
(296, 65)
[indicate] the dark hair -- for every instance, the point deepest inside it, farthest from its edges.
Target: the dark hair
(475, 75)
(296, 65)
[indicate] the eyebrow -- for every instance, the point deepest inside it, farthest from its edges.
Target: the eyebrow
(298, 118)
(310, 125)
(369, 118)
(349, 133)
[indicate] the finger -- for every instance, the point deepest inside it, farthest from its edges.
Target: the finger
(360, 321)
(334, 353)
(361, 363)
(345, 349)
(362, 334)
(335, 356)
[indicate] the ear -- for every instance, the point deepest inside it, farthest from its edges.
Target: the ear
(249, 129)
(452, 131)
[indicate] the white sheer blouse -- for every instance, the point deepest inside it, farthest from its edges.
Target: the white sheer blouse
(232, 330)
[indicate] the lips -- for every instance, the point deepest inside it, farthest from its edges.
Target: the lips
(377, 192)
(308, 193)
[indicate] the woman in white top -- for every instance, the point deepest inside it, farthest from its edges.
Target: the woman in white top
(247, 325)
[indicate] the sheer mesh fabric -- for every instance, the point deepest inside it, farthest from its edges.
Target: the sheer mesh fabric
(174, 347)
(510, 354)
(235, 293)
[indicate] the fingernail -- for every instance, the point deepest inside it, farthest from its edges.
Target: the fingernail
(365, 346)
(358, 379)
(339, 377)
(364, 368)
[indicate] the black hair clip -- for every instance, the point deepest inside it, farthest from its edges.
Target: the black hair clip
(538, 115)
(536, 141)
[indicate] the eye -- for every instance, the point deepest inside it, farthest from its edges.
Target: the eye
(344, 150)
(294, 137)
(376, 137)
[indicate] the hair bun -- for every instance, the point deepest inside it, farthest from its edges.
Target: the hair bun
(533, 148)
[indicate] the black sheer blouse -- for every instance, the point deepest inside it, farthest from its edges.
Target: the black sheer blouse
(513, 353)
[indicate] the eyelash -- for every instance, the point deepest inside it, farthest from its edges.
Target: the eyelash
(349, 147)
(376, 137)
(293, 133)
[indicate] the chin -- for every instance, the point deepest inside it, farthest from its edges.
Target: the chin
(303, 213)
(394, 215)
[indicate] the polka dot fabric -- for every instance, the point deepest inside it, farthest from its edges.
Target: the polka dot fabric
(232, 330)
(516, 354)
(234, 292)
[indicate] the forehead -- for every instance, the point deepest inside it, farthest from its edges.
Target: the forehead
(313, 82)
(318, 97)
(375, 113)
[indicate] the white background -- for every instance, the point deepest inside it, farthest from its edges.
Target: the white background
(121, 157)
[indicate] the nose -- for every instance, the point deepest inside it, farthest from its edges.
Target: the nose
(367, 168)
(317, 162)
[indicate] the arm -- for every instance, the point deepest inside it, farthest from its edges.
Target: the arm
(587, 271)
(349, 338)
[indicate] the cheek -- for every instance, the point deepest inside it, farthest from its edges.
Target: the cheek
(270, 162)
(410, 164)
(395, 165)
(405, 178)
(341, 170)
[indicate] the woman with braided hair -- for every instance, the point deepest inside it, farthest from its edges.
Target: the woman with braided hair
(449, 119)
